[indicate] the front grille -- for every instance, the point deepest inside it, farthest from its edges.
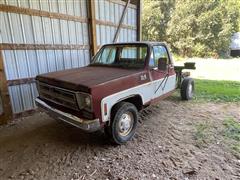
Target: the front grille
(57, 95)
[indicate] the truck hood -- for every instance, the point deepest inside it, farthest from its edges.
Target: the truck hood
(85, 78)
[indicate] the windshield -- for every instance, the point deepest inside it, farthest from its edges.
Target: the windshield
(126, 56)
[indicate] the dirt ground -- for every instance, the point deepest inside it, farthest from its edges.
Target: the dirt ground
(164, 147)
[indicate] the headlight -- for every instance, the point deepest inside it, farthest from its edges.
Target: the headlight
(87, 101)
(84, 101)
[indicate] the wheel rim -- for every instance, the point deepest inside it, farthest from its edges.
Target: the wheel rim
(190, 90)
(125, 124)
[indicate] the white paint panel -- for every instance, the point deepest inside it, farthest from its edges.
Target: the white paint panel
(145, 91)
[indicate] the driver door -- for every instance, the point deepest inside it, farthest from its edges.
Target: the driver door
(163, 81)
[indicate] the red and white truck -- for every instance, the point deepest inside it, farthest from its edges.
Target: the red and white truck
(121, 79)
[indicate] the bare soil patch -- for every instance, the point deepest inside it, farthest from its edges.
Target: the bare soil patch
(167, 146)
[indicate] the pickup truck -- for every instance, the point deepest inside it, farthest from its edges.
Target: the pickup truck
(108, 94)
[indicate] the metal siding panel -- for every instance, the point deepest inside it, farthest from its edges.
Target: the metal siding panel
(83, 8)
(46, 22)
(62, 6)
(98, 35)
(38, 28)
(56, 31)
(53, 6)
(22, 97)
(77, 8)
(102, 34)
(32, 63)
(85, 33)
(101, 10)
(108, 34)
(44, 5)
(15, 28)
(28, 29)
(34, 93)
(74, 58)
(106, 11)
(86, 57)
(51, 60)
(12, 2)
(97, 11)
(5, 29)
(82, 58)
(116, 13)
(22, 64)
(134, 17)
(70, 7)
(72, 32)
(64, 31)
(59, 60)
(42, 61)
(15, 98)
(79, 33)
(24, 3)
(26, 96)
(111, 12)
(34, 4)
(9, 65)
(67, 59)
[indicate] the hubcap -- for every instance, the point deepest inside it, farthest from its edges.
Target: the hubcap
(125, 123)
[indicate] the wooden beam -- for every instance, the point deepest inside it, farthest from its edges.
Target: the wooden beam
(139, 20)
(24, 113)
(35, 12)
(15, 82)
(10, 46)
(120, 22)
(92, 26)
(132, 5)
(6, 104)
(108, 23)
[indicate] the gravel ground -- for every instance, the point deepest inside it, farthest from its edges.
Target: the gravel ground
(164, 147)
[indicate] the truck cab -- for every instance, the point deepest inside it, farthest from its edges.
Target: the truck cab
(108, 94)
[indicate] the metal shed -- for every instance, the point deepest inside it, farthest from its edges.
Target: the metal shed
(39, 36)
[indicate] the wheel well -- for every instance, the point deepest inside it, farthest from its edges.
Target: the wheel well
(135, 100)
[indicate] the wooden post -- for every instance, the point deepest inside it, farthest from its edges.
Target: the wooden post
(92, 26)
(139, 21)
(7, 109)
(121, 21)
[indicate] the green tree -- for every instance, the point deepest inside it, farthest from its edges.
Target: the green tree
(193, 28)
(156, 15)
(202, 27)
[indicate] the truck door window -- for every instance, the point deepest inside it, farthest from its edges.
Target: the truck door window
(158, 52)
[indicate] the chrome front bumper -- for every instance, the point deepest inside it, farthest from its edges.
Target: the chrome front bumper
(84, 124)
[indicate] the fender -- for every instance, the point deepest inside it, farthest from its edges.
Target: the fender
(145, 91)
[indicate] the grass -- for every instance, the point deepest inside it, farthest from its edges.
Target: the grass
(202, 134)
(213, 90)
(232, 133)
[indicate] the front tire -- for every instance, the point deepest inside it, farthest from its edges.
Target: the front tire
(123, 123)
(187, 89)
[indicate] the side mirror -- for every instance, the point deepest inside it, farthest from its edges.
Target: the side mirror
(162, 64)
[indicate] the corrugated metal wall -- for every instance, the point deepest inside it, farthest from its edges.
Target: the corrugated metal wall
(111, 12)
(29, 29)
